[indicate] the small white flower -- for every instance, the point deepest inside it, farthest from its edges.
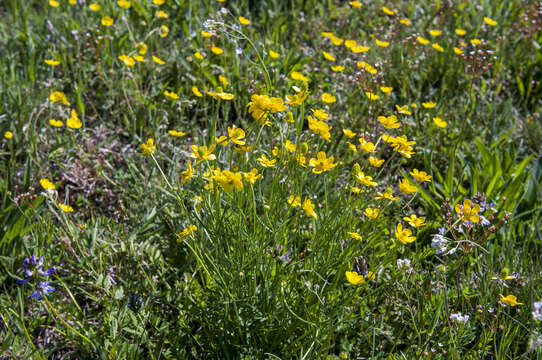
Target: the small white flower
(459, 318)
(537, 313)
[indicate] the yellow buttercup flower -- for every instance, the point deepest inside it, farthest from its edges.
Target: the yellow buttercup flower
(422, 40)
(382, 43)
(359, 49)
(164, 31)
(55, 123)
(252, 176)
(73, 121)
(354, 278)
(8, 135)
(107, 21)
(176, 133)
(309, 208)
(186, 232)
(202, 153)
(294, 201)
(460, 32)
(328, 56)
(371, 96)
(355, 236)
(321, 164)
(273, 54)
(435, 33)
(94, 7)
(414, 221)
(54, 3)
(407, 187)
(148, 147)
(387, 11)
(299, 76)
(349, 133)
(52, 62)
(59, 96)
(236, 135)
(126, 60)
(244, 20)
(216, 50)
(328, 98)
(196, 91)
(404, 236)
(372, 213)
(510, 300)
(429, 105)
(489, 21)
(65, 208)
(171, 95)
(46, 184)
(337, 68)
(376, 162)
(124, 4)
(437, 47)
(158, 60)
(355, 4)
(468, 212)
(439, 122)
(405, 21)
(420, 176)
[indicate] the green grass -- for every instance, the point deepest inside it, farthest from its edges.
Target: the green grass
(259, 277)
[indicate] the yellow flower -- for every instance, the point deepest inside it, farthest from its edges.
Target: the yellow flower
(244, 20)
(124, 4)
(220, 95)
(376, 162)
(171, 95)
(326, 34)
(73, 121)
(309, 208)
(404, 236)
(52, 62)
(265, 162)
(437, 47)
(236, 135)
(216, 50)
(65, 208)
(439, 122)
(158, 60)
(107, 21)
(252, 176)
(328, 56)
(202, 153)
(164, 31)
(94, 7)
(429, 105)
(355, 236)
(8, 135)
(230, 180)
(386, 89)
(320, 127)
(510, 300)
(358, 49)
(403, 110)
(186, 232)
(460, 32)
(389, 122)
(354, 278)
(415, 221)
(435, 33)
(405, 21)
(337, 68)
(54, 3)
(420, 176)
(387, 11)
(273, 54)
(127, 60)
(360, 177)
(382, 43)
(458, 51)
(355, 4)
(335, 40)
(299, 76)
(349, 44)
(141, 48)
(162, 14)
(46, 184)
(371, 96)
(407, 187)
(59, 96)
(223, 80)
(476, 41)
(367, 67)
(158, 2)
(206, 34)
(321, 163)
(148, 148)
(55, 123)
(328, 98)
(367, 146)
(349, 133)
(198, 55)
(386, 195)
(352, 147)
(196, 91)
(294, 201)
(260, 105)
(489, 21)
(422, 40)
(372, 213)
(468, 212)
(176, 133)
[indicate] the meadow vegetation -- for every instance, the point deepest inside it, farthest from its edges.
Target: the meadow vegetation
(309, 179)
